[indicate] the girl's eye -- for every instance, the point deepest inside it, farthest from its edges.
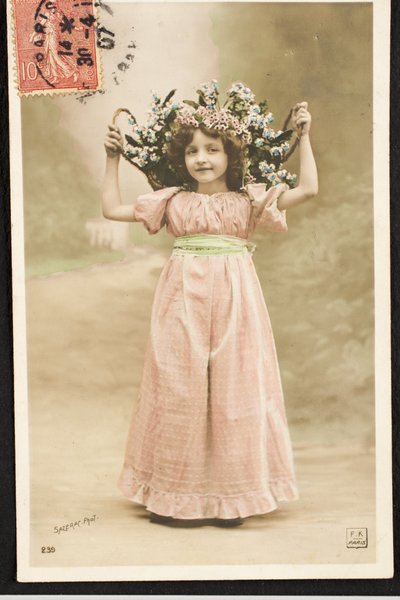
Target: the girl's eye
(213, 150)
(190, 151)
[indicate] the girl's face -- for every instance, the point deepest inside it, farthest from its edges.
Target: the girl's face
(206, 159)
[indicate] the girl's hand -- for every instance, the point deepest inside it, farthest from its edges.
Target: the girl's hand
(113, 143)
(301, 118)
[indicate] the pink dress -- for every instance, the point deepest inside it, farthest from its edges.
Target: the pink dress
(209, 437)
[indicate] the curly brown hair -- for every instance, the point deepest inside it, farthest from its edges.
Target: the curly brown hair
(234, 148)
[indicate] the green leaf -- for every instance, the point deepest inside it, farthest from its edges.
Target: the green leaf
(268, 157)
(276, 160)
(168, 97)
(171, 117)
(202, 101)
(191, 103)
(283, 137)
(132, 142)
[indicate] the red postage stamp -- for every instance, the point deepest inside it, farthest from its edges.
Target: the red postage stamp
(55, 46)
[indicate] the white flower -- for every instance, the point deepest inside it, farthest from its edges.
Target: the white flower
(265, 167)
(272, 177)
(291, 178)
(275, 150)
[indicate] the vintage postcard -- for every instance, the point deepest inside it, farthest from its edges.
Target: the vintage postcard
(200, 240)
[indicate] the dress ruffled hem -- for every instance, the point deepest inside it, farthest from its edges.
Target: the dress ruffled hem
(207, 506)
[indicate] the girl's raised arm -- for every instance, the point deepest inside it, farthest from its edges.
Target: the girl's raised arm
(111, 195)
(308, 177)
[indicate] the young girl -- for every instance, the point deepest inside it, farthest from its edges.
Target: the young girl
(209, 438)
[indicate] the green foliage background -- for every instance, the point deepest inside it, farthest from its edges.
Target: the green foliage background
(59, 193)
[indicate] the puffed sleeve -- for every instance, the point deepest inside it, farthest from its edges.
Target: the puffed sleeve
(265, 211)
(150, 208)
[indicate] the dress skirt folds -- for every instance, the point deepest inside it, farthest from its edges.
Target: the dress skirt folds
(209, 437)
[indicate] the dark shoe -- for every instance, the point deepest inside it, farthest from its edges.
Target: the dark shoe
(155, 518)
(172, 522)
(228, 522)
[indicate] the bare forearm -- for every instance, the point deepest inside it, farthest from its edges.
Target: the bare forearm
(111, 195)
(308, 178)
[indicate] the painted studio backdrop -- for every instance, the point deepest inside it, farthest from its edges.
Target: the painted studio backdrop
(90, 283)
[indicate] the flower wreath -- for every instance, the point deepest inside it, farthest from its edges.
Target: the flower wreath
(266, 150)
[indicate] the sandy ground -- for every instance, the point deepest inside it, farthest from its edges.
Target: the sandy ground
(87, 331)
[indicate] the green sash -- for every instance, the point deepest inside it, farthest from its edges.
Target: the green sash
(204, 243)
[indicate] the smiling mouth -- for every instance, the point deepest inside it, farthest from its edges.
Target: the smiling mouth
(204, 169)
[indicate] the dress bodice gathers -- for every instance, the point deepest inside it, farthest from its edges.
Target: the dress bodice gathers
(225, 213)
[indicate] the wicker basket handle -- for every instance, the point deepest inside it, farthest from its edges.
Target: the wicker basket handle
(296, 142)
(118, 112)
(116, 115)
(155, 184)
